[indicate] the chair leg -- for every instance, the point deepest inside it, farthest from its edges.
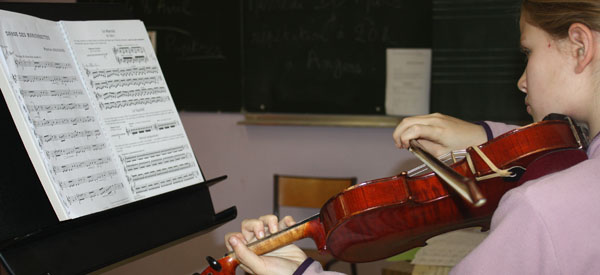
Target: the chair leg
(353, 268)
(329, 264)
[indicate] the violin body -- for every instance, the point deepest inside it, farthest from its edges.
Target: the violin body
(381, 218)
(384, 217)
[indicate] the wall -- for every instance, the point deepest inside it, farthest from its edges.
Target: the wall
(249, 156)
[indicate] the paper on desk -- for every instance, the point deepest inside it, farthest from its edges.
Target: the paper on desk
(430, 270)
(448, 249)
(407, 81)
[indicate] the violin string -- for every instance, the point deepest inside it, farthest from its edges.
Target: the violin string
(448, 159)
(268, 235)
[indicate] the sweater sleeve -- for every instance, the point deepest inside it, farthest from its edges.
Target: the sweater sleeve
(518, 243)
(497, 128)
(312, 267)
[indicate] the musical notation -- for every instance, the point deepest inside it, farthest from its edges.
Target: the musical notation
(131, 93)
(161, 171)
(157, 162)
(55, 79)
(80, 164)
(71, 135)
(166, 125)
(141, 188)
(139, 130)
(102, 176)
(41, 64)
(150, 128)
(130, 54)
(86, 97)
(51, 93)
(6, 51)
(152, 154)
(116, 83)
(104, 191)
(121, 72)
(76, 150)
(58, 107)
(62, 121)
(133, 102)
(129, 50)
(132, 59)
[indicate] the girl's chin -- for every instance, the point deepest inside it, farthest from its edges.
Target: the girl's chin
(532, 115)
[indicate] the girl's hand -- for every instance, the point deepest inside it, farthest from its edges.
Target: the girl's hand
(284, 260)
(439, 133)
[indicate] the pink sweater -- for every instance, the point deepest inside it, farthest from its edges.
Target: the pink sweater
(550, 225)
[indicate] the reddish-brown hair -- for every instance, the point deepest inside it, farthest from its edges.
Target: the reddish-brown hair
(556, 16)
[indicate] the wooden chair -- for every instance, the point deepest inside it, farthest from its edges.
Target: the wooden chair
(309, 192)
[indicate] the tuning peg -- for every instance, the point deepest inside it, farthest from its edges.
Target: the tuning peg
(213, 263)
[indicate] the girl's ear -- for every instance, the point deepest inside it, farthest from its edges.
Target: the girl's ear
(583, 45)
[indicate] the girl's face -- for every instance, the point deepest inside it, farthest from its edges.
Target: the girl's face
(549, 79)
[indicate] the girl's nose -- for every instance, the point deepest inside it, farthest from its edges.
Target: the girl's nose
(522, 83)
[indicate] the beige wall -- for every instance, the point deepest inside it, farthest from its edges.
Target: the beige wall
(250, 155)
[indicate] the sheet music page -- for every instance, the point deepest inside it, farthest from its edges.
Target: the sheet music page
(408, 73)
(431, 270)
(121, 71)
(450, 248)
(56, 120)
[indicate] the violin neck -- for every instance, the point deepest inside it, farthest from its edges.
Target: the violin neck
(309, 228)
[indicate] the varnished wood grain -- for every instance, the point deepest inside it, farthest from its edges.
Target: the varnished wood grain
(381, 218)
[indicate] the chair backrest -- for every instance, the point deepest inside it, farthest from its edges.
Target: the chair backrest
(302, 191)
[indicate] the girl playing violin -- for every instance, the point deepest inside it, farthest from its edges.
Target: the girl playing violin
(546, 226)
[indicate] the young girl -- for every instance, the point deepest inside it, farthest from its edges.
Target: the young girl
(549, 225)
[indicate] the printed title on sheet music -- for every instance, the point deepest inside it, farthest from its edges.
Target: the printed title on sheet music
(27, 35)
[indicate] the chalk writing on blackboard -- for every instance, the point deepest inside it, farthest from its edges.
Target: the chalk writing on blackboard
(325, 56)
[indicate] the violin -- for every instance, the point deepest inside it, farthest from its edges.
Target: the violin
(381, 218)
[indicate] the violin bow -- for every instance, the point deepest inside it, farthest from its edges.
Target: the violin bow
(464, 186)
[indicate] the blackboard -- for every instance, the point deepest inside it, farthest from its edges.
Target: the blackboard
(325, 56)
(198, 47)
(328, 56)
(477, 61)
(318, 56)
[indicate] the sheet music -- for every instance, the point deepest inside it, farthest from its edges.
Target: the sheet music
(408, 74)
(94, 112)
(46, 84)
(430, 270)
(450, 248)
(120, 69)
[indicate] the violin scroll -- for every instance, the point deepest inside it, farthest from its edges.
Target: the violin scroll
(308, 228)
